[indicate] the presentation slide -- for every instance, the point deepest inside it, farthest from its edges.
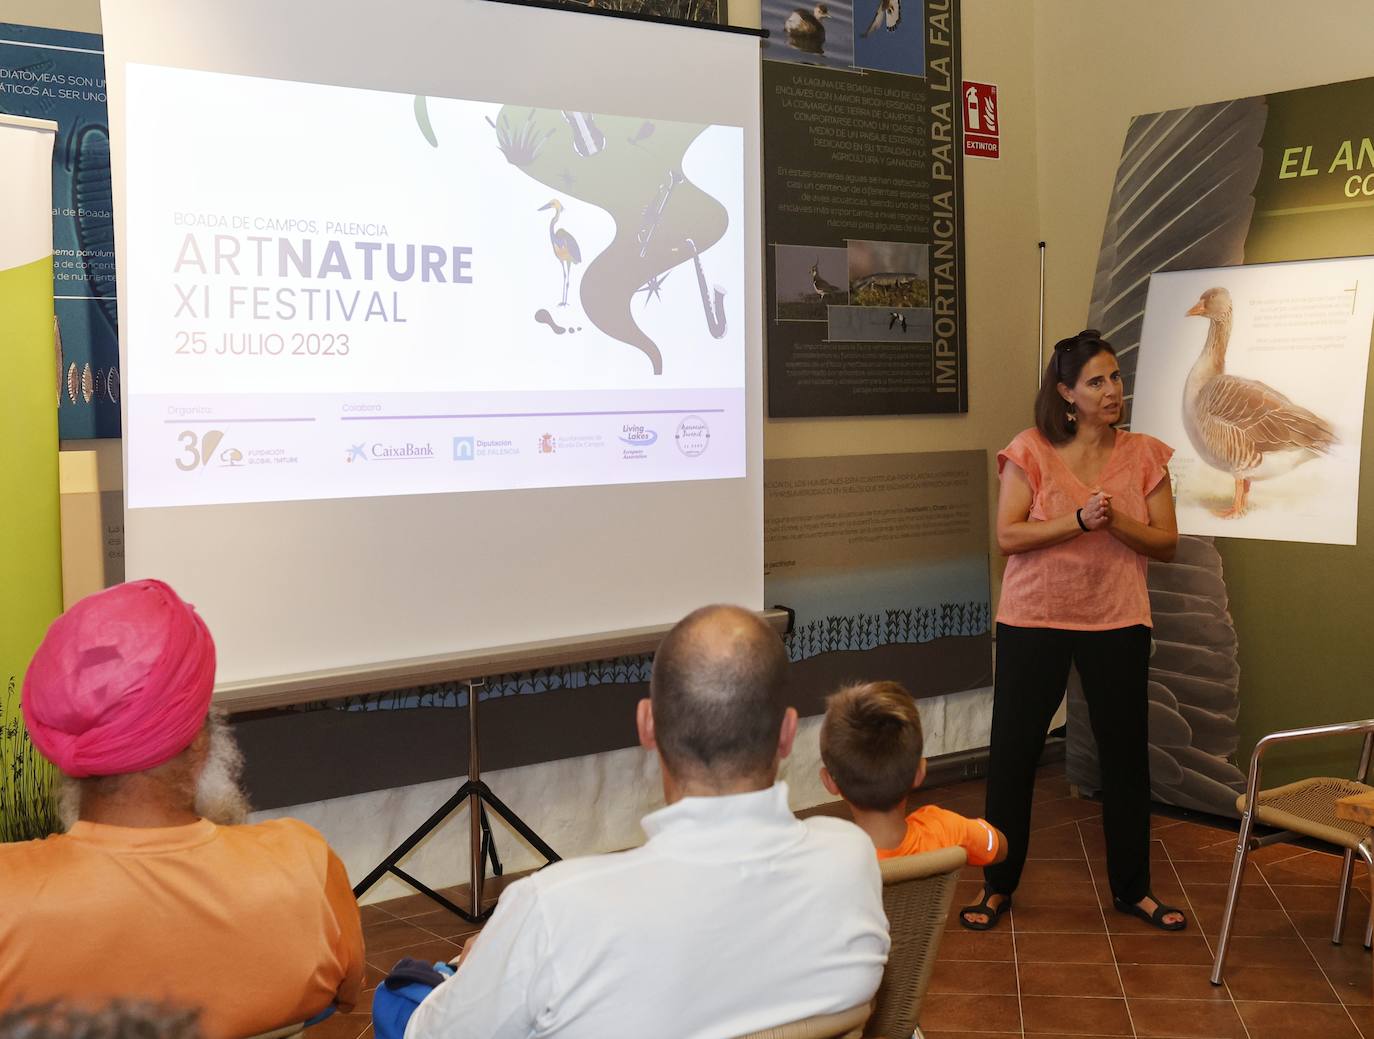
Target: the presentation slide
(335, 292)
(439, 334)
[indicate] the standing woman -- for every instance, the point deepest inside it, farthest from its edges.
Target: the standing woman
(1083, 507)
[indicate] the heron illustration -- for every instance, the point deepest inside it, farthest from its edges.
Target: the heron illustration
(564, 245)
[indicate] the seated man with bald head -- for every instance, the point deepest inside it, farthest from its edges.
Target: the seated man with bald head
(157, 891)
(735, 916)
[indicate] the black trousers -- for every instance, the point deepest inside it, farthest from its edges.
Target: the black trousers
(1032, 669)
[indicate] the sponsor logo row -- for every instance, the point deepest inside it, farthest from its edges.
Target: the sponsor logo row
(691, 437)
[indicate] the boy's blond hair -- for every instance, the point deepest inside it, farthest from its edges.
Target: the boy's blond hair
(871, 743)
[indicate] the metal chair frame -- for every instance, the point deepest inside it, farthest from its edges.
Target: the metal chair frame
(1247, 842)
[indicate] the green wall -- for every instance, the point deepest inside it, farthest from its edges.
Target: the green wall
(1302, 615)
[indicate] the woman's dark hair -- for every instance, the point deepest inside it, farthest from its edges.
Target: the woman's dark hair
(1066, 364)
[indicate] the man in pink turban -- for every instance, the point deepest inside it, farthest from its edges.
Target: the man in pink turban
(157, 890)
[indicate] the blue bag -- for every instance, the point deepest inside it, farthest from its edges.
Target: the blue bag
(396, 998)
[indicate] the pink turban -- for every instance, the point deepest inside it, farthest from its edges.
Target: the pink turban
(121, 682)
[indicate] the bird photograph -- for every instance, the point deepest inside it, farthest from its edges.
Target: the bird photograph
(1241, 426)
(885, 41)
(805, 29)
(822, 287)
(809, 281)
(565, 248)
(815, 32)
(889, 12)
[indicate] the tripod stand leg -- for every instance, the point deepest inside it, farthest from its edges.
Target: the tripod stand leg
(489, 844)
(516, 823)
(446, 903)
(482, 841)
(388, 864)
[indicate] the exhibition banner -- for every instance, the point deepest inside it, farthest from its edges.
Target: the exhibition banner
(883, 559)
(1256, 376)
(863, 209)
(30, 564)
(58, 75)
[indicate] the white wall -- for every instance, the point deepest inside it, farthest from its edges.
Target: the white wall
(1098, 64)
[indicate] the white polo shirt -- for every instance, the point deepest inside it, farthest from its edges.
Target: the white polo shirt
(735, 916)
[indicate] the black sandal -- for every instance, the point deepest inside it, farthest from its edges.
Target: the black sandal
(1155, 919)
(994, 913)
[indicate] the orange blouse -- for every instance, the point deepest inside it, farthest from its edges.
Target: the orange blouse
(1092, 582)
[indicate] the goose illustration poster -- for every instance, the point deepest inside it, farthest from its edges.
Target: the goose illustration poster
(1256, 376)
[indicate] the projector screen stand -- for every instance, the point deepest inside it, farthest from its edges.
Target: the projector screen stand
(483, 844)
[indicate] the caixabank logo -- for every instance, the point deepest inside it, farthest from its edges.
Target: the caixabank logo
(383, 452)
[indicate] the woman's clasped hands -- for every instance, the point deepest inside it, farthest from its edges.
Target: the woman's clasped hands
(1097, 513)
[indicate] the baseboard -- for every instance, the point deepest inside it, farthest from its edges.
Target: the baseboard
(963, 765)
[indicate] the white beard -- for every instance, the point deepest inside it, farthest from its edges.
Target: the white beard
(218, 797)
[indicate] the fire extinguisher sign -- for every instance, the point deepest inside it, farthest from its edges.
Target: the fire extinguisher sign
(982, 121)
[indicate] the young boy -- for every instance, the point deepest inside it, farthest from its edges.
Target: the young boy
(871, 743)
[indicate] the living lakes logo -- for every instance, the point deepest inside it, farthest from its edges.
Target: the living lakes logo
(636, 439)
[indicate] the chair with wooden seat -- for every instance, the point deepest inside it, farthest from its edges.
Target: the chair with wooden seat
(846, 1024)
(918, 891)
(285, 1032)
(1306, 808)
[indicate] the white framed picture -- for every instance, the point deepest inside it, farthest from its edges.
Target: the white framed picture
(1255, 375)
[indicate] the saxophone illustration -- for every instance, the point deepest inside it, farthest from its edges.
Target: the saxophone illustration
(713, 305)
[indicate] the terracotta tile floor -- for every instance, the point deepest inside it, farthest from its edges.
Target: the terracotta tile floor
(1064, 963)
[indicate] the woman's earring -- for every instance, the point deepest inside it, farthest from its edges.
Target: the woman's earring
(1072, 414)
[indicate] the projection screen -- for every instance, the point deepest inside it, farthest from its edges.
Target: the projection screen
(440, 322)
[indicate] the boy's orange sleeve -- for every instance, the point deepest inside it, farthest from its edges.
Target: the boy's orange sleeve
(980, 841)
(975, 836)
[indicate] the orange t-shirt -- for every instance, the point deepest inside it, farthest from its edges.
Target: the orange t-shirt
(932, 827)
(1092, 582)
(254, 924)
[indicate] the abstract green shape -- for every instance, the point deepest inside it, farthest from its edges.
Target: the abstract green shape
(422, 119)
(624, 178)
